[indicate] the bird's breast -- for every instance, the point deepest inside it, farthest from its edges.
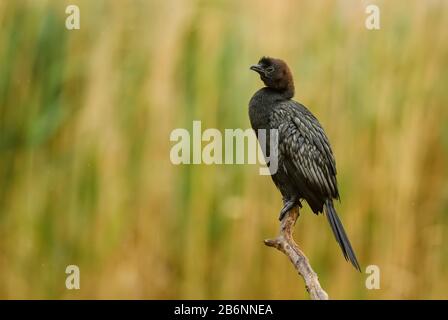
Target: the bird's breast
(261, 106)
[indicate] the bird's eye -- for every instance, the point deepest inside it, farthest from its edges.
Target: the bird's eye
(270, 69)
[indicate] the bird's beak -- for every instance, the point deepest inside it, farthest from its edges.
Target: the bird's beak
(257, 68)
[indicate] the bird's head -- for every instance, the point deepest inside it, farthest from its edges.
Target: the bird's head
(275, 74)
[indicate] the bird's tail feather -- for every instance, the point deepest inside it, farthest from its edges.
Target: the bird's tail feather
(339, 233)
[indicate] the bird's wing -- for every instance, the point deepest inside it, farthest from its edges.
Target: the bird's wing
(304, 148)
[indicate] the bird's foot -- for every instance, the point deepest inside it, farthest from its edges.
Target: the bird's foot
(287, 205)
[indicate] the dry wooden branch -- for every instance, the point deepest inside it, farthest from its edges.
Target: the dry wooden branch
(286, 244)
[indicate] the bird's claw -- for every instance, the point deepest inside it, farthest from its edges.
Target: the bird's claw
(286, 207)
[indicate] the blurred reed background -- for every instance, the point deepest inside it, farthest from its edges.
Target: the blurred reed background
(85, 174)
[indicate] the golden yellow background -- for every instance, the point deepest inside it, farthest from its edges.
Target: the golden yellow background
(85, 174)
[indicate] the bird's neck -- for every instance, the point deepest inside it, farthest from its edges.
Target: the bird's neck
(285, 91)
(284, 86)
(289, 92)
(268, 95)
(280, 94)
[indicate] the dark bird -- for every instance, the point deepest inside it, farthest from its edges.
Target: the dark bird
(306, 165)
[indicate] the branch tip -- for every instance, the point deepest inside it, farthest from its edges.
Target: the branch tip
(285, 243)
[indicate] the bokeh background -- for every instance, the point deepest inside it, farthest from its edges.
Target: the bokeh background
(85, 173)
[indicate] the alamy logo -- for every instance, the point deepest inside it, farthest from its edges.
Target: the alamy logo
(235, 146)
(73, 279)
(373, 19)
(72, 22)
(373, 280)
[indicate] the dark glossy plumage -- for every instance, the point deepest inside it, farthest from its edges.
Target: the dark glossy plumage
(306, 165)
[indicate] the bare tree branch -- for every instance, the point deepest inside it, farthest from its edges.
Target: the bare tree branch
(286, 244)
